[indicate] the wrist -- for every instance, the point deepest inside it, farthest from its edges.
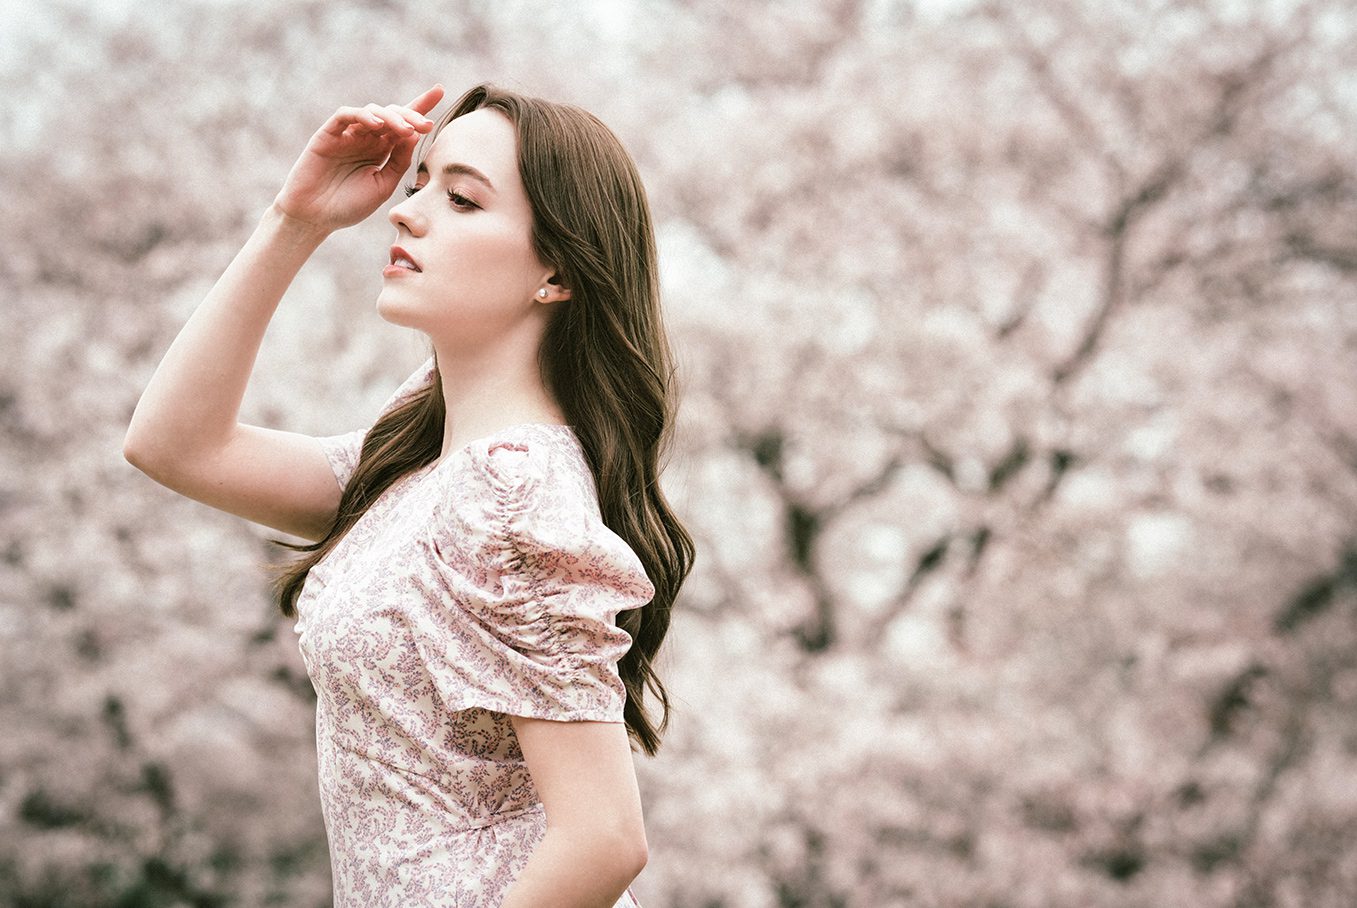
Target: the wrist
(292, 230)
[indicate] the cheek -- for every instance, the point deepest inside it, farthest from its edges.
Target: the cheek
(497, 254)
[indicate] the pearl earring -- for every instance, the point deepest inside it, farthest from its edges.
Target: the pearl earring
(542, 293)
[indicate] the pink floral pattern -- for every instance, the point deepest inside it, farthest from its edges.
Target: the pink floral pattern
(475, 588)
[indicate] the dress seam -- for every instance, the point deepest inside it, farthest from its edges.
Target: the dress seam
(513, 503)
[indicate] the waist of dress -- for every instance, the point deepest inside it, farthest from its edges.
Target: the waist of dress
(469, 824)
(434, 798)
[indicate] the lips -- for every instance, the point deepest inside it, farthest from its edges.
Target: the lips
(400, 257)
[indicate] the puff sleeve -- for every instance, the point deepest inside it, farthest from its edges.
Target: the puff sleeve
(342, 451)
(540, 612)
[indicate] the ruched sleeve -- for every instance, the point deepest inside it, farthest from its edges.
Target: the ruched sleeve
(538, 613)
(342, 451)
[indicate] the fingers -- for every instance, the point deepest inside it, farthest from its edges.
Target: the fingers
(401, 120)
(365, 117)
(414, 117)
(402, 153)
(429, 100)
(342, 118)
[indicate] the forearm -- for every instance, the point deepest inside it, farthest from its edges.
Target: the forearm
(574, 871)
(193, 399)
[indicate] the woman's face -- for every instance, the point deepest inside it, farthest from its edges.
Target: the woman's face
(468, 229)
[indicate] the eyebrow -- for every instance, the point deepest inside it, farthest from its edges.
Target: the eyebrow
(464, 169)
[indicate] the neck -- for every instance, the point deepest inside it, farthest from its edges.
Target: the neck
(490, 387)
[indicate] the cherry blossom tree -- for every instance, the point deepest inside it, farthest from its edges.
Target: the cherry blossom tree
(1019, 437)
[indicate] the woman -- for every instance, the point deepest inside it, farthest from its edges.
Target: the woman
(493, 561)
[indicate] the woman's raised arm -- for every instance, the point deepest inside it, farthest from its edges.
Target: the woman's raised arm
(185, 432)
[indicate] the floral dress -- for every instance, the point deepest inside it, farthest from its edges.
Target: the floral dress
(479, 587)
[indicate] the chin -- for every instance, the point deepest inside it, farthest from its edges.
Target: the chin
(397, 314)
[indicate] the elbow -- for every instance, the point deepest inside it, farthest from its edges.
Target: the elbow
(632, 852)
(626, 841)
(623, 854)
(136, 441)
(626, 861)
(147, 457)
(156, 452)
(641, 855)
(136, 453)
(132, 452)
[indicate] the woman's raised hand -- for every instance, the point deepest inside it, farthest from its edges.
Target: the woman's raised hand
(353, 162)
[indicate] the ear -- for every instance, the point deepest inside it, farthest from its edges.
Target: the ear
(556, 291)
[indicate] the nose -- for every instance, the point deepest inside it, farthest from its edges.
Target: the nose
(406, 214)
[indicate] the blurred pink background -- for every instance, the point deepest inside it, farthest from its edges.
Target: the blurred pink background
(1018, 438)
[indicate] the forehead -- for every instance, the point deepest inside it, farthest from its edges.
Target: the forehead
(484, 139)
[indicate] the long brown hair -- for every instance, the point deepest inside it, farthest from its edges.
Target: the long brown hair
(604, 356)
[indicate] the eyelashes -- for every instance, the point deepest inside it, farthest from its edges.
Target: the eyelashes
(458, 200)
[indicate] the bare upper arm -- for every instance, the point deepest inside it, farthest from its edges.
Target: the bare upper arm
(584, 774)
(279, 479)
